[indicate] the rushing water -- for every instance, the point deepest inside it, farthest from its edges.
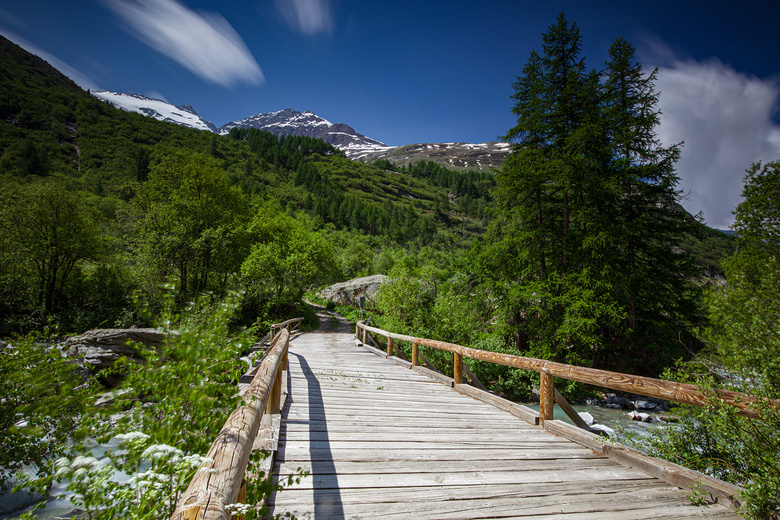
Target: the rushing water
(60, 505)
(618, 420)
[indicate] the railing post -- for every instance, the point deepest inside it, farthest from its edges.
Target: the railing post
(546, 396)
(415, 354)
(457, 368)
(389, 346)
(365, 333)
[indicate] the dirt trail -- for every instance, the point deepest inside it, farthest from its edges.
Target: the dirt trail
(330, 321)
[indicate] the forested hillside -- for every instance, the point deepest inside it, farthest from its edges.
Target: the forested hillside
(99, 204)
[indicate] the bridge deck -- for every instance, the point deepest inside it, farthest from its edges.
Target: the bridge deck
(381, 441)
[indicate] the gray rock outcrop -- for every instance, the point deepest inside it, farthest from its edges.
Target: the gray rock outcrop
(349, 292)
(100, 348)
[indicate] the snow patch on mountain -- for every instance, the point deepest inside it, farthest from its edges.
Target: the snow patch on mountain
(182, 115)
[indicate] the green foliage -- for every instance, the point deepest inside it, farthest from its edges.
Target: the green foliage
(188, 221)
(584, 256)
(153, 492)
(185, 388)
(43, 399)
(286, 257)
(744, 314)
(743, 353)
(47, 232)
(165, 415)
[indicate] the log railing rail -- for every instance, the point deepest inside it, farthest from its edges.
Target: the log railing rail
(292, 326)
(646, 386)
(218, 483)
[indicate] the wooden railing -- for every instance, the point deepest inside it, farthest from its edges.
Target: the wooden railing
(219, 483)
(292, 326)
(657, 388)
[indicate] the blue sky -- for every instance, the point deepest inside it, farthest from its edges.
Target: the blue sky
(426, 71)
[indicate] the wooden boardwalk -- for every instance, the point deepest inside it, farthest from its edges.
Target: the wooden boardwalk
(381, 441)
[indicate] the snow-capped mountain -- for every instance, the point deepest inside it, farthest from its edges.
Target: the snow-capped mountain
(292, 122)
(156, 108)
(361, 148)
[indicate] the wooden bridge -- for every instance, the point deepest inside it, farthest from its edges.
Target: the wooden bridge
(379, 438)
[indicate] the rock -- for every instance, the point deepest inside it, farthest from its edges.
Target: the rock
(98, 349)
(588, 418)
(349, 292)
(643, 404)
(637, 416)
(606, 429)
(622, 402)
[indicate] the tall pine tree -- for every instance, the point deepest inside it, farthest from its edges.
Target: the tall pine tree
(583, 255)
(653, 276)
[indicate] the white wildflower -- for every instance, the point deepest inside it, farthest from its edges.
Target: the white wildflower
(131, 436)
(85, 462)
(158, 451)
(238, 508)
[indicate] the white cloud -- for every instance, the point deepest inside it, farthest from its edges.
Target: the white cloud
(306, 16)
(204, 43)
(80, 79)
(725, 119)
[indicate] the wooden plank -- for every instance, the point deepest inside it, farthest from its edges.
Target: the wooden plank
(385, 442)
(578, 435)
(323, 480)
(345, 452)
(546, 393)
(438, 376)
(568, 410)
(518, 410)
(398, 361)
(453, 466)
(515, 492)
(669, 472)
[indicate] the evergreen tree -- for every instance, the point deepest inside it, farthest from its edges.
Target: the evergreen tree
(583, 255)
(654, 276)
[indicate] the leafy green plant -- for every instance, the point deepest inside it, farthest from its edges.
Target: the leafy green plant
(43, 400)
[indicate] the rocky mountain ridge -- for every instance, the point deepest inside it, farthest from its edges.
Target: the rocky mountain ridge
(356, 146)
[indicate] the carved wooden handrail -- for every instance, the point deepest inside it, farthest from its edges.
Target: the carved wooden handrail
(647, 386)
(217, 484)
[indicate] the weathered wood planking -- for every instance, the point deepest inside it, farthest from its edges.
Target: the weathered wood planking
(382, 441)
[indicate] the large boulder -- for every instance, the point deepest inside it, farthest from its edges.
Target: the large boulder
(350, 292)
(100, 348)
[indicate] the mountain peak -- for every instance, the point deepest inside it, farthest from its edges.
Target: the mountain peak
(157, 108)
(292, 122)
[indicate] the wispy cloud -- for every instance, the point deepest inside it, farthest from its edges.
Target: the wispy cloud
(725, 119)
(307, 16)
(204, 43)
(80, 79)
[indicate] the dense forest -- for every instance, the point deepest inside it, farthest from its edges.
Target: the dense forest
(576, 250)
